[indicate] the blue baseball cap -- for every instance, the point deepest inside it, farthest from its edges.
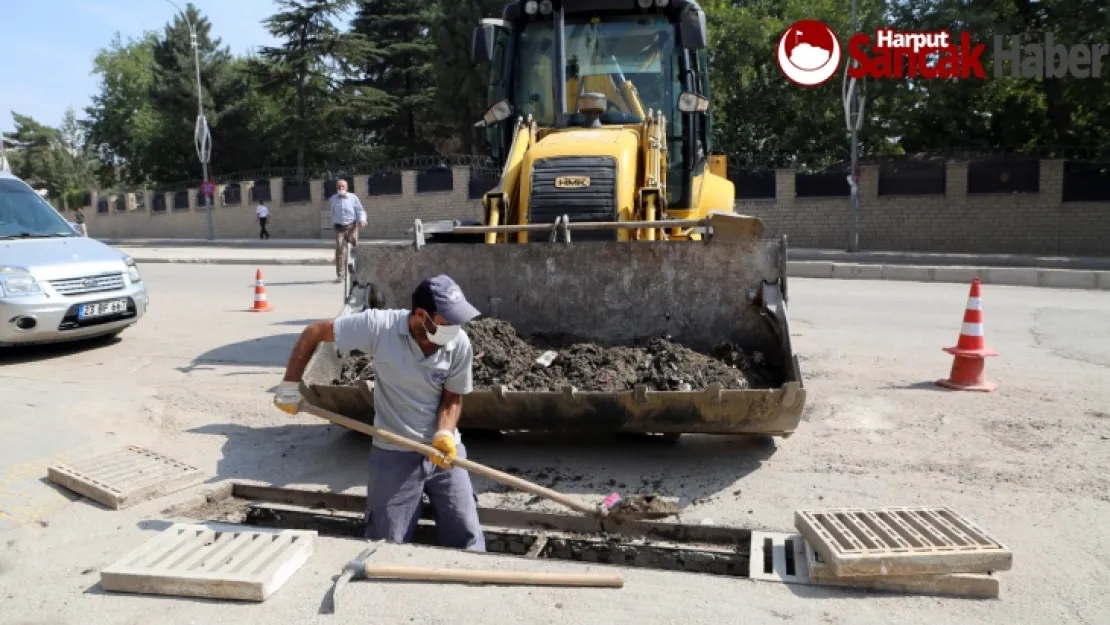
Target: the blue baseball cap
(440, 295)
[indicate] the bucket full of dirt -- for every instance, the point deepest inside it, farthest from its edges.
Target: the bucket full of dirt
(604, 339)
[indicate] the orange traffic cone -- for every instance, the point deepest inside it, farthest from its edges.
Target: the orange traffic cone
(260, 303)
(971, 350)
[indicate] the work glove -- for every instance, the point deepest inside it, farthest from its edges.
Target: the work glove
(287, 397)
(444, 442)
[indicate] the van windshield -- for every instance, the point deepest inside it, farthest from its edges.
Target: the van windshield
(23, 214)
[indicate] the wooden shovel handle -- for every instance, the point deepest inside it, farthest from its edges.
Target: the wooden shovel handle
(470, 576)
(468, 465)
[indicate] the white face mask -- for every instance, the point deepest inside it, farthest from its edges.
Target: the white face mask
(443, 334)
(343, 193)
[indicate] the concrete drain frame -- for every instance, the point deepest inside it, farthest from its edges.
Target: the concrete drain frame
(707, 549)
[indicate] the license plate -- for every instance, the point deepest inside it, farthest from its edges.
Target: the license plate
(100, 309)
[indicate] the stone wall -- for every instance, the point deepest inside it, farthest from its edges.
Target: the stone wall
(1006, 223)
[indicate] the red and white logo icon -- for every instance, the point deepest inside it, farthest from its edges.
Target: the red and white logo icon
(808, 53)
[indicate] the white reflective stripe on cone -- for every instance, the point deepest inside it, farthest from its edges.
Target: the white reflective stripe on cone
(972, 329)
(258, 283)
(974, 303)
(259, 297)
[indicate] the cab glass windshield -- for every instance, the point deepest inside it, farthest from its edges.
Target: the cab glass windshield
(23, 214)
(600, 58)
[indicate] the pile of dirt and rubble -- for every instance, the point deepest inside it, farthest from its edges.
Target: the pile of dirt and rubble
(357, 366)
(540, 363)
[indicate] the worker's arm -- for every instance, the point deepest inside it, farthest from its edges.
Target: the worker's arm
(459, 382)
(316, 333)
(450, 408)
(349, 333)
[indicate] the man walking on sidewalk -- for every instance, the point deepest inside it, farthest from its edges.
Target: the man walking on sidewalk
(347, 216)
(80, 219)
(263, 217)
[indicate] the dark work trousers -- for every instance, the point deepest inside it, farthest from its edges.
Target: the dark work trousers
(263, 234)
(393, 499)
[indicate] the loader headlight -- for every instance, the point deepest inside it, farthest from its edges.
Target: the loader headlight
(689, 102)
(545, 7)
(645, 4)
(531, 7)
(662, 3)
(17, 282)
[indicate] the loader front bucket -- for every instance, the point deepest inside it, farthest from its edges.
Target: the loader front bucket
(700, 293)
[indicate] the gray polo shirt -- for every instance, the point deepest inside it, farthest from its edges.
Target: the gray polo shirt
(408, 386)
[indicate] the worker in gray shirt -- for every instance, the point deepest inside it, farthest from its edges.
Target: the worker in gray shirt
(346, 212)
(422, 368)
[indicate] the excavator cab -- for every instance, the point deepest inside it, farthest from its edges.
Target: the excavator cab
(619, 88)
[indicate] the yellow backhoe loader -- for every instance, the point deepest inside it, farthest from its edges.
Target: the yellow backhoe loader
(610, 222)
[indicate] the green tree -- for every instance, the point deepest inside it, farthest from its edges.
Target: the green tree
(456, 74)
(121, 120)
(174, 96)
(305, 74)
(55, 159)
(398, 64)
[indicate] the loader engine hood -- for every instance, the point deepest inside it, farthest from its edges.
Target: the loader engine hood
(588, 174)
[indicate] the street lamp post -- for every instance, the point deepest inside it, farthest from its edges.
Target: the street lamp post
(202, 138)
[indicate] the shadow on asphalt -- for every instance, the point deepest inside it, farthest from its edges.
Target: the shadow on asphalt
(691, 470)
(296, 322)
(37, 353)
(298, 282)
(270, 351)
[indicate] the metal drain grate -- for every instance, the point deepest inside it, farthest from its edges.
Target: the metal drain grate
(778, 557)
(212, 561)
(126, 477)
(900, 541)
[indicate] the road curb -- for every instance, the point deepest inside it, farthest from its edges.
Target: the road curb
(314, 262)
(1087, 279)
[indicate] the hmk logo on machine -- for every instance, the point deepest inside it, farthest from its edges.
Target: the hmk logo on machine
(572, 182)
(809, 55)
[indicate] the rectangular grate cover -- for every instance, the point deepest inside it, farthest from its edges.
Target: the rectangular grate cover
(125, 477)
(900, 542)
(212, 561)
(954, 585)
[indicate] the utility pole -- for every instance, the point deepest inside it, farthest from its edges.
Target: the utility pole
(3, 153)
(854, 116)
(202, 138)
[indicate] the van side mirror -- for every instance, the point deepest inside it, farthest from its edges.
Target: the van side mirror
(485, 37)
(692, 29)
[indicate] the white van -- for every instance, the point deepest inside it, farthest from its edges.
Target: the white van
(56, 285)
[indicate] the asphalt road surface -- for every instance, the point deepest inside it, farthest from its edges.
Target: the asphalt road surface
(192, 379)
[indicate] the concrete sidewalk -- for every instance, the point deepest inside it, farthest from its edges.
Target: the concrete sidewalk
(1012, 270)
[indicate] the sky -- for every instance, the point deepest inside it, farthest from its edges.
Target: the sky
(47, 46)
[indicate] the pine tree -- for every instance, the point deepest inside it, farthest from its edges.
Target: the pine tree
(174, 96)
(457, 74)
(397, 62)
(305, 73)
